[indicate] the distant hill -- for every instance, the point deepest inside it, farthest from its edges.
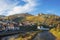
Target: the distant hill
(18, 17)
(2, 16)
(22, 15)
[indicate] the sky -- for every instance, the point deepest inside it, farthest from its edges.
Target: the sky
(11, 7)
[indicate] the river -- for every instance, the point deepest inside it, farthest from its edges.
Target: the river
(45, 35)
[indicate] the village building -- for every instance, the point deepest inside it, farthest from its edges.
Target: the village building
(42, 27)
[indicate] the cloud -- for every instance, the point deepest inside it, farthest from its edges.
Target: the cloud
(9, 7)
(4, 5)
(23, 9)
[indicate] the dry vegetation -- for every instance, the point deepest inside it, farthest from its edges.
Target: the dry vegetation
(27, 36)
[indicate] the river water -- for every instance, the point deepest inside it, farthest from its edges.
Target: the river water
(45, 35)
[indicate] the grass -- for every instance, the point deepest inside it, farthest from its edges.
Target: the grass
(56, 34)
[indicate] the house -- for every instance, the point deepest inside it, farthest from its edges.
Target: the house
(42, 28)
(10, 26)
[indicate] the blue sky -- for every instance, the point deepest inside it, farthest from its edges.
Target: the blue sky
(11, 7)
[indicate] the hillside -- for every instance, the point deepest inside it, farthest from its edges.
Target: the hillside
(45, 19)
(17, 17)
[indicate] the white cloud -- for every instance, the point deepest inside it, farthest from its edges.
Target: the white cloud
(4, 5)
(9, 7)
(22, 9)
